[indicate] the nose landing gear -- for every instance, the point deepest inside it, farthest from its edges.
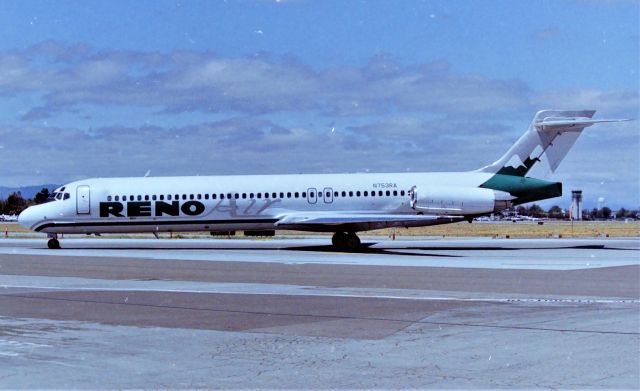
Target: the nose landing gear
(348, 241)
(53, 243)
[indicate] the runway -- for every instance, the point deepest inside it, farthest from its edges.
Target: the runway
(125, 313)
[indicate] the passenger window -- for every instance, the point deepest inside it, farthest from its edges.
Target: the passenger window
(244, 196)
(154, 197)
(373, 193)
(296, 194)
(380, 193)
(251, 195)
(266, 195)
(344, 193)
(350, 194)
(191, 196)
(395, 193)
(289, 195)
(312, 194)
(146, 198)
(388, 193)
(117, 198)
(304, 194)
(402, 192)
(222, 196)
(335, 193)
(108, 198)
(281, 195)
(199, 196)
(206, 196)
(214, 196)
(139, 197)
(228, 196)
(161, 197)
(236, 196)
(184, 196)
(259, 195)
(357, 193)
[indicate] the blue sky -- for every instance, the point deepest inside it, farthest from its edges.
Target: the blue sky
(95, 88)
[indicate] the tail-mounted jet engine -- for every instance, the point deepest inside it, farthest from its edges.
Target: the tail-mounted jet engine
(451, 200)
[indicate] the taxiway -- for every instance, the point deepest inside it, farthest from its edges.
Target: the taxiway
(134, 313)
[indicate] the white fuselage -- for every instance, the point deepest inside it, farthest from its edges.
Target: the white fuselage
(229, 203)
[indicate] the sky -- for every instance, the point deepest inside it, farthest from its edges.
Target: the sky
(120, 88)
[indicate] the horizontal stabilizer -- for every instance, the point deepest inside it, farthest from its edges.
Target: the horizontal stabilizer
(563, 123)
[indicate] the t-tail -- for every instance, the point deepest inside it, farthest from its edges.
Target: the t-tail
(544, 144)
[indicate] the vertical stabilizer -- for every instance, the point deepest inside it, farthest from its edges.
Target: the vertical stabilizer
(546, 142)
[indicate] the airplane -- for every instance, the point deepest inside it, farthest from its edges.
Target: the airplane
(342, 204)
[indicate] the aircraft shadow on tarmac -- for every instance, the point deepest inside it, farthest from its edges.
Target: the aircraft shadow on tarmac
(366, 248)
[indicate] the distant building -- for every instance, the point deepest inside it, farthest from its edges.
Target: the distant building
(576, 205)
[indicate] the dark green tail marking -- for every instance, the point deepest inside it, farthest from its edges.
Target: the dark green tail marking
(520, 170)
(525, 189)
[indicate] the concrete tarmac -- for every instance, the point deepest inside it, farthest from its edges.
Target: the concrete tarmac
(464, 313)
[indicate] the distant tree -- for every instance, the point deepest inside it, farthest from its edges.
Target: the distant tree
(14, 204)
(593, 215)
(41, 196)
(536, 211)
(621, 213)
(2, 206)
(555, 212)
(522, 211)
(606, 212)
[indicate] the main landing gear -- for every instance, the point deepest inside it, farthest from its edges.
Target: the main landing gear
(53, 243)
(348, 241)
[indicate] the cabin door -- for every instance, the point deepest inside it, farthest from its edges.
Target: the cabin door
(83, 201)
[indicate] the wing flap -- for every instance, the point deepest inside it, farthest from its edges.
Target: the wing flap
(327, 222)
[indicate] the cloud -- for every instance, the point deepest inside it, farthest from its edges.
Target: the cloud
(616, 102)
(189, 81)
(217, 115)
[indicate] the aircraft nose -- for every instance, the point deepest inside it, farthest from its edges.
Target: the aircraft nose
(28, 217)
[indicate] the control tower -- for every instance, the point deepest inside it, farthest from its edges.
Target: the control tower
(576, 204)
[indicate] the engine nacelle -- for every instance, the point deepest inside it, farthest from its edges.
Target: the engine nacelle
(458, 201)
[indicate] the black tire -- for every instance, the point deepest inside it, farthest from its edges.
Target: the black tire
(339, 240)
(353, 242)
(53, 244)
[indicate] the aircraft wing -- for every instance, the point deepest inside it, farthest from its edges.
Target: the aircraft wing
(331, 222)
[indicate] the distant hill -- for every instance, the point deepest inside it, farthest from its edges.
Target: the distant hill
(26, 191)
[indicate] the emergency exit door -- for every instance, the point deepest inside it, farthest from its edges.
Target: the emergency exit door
(83, 201)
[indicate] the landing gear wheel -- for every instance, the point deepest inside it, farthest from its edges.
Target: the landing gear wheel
(53, 244)
(353, 242)
(339, 240)
(345, 241)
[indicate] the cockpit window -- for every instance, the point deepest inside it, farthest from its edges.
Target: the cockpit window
(58, 196)
(52, 197)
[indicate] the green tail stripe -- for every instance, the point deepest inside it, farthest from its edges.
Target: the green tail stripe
(525, 189)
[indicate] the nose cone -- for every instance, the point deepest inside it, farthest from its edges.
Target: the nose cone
(29, 217)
